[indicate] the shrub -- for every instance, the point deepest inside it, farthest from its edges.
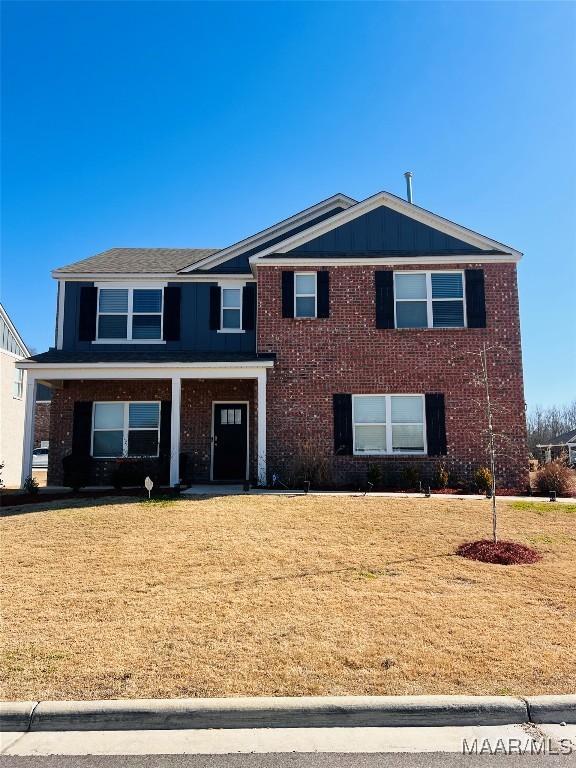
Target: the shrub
(31, 485)
(126, 474)
(483, 479)
(410, 477)
(556, 476)
(307, 466)
(441, 477)
(76, 471)
(374, 475)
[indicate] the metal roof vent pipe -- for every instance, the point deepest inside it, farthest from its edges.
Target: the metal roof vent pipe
(408, 177)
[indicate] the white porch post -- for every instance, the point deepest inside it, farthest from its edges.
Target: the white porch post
(175, 431)
(28, 426)
(261, 442)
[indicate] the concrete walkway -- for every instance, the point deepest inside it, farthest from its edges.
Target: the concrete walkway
(545, 739)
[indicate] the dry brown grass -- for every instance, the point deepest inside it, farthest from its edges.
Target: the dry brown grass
(285, 596)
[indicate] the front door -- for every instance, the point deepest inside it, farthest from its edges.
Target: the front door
(230, 441)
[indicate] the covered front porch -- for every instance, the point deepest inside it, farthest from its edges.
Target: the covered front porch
(180, 424)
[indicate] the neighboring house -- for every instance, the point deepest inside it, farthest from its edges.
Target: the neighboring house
(12, 401)
(561, 445)
(340, 336)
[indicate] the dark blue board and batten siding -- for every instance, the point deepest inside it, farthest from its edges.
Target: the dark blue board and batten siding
(195, 333)
(384, 230)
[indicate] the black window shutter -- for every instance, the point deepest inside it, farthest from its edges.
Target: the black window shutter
(287, 294)
(436, 424)
(475, 298)
(384, 298)
(215, 308)
(342, 408)
(165, 442)
(249, 307)
(87, 315)
(323, 298)
(82, 428)
(171, 325)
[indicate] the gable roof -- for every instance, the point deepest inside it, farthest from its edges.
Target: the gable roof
(136, 261)
(11, 330)
(565, 437)
(277, 232)
(474, 240)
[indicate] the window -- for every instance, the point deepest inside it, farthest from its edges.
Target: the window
(131, 314)
(18, 383)
(125, 429)
(231, 319)
(388, 424)
(429, 299)
(305, 294)
(231, 416)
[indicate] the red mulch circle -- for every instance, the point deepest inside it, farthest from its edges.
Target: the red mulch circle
(501, 552)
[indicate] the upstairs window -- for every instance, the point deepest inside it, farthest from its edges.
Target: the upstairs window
(429, 299)
(305, 294)
(131, 314)
(388, 424)
(231, 319)
(125, 429)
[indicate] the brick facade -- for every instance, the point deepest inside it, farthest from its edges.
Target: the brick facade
(346, 353)
(196, 420)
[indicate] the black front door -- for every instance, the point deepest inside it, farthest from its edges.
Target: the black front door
(230, 446)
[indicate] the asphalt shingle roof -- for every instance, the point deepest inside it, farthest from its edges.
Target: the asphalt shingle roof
(565, 437)
(137, 260)
(145, 354)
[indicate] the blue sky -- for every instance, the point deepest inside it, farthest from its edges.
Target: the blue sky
(192, 124)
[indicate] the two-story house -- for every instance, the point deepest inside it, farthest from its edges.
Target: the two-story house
(349, 330)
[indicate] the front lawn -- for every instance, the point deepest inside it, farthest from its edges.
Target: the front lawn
(268, 595)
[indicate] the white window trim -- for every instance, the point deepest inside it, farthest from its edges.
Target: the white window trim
(130, 313)
(18, 384)
(306, 295)
(223, 288)
(429, 300)
(388, 424)
(125, 427)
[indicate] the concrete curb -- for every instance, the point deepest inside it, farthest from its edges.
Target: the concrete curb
(265, 712)
(552, 709)
(16, 715)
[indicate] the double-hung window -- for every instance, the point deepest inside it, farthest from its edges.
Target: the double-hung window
(429, 299)
(388, 424)
(125, 429)
(231, 319)
(18, 383)
(305, 294)
(131, 314)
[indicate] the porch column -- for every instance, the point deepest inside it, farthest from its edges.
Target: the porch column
(175, 431)
(28, 426)
(261, 447)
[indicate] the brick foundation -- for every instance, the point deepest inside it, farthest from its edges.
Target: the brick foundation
(346, 353)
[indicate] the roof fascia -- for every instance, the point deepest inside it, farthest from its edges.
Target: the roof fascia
(345, 261)
(394, 203)
(12, 328)
(174, 277)
(276, 229)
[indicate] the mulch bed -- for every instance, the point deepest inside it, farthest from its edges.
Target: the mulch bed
(500, 552)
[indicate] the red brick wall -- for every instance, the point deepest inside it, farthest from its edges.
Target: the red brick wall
(346, 353)
(196, 418)
(41, 422)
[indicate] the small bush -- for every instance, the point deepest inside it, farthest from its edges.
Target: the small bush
(374, 475)
(483, 479)
(410, 477)
(31, 485)
(76, 471)
(126, 474)
(441, 477)
(556, 476)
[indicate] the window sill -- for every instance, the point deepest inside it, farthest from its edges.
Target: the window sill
(231, 330)
(440, 328)
(124, 458)
(128, 341)
(394, 455)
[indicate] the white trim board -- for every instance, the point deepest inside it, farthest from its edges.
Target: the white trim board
(308, 214)
(346, 261)
(396, 204)
(147, 277)
(12, 329)
(118, 371)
